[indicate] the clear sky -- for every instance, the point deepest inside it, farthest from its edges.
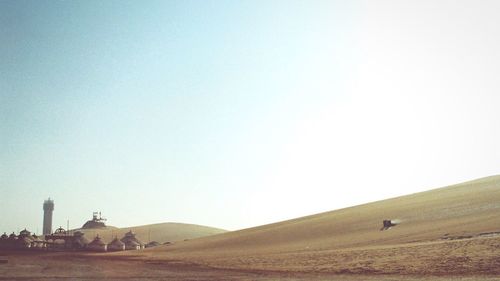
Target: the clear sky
(240, 113)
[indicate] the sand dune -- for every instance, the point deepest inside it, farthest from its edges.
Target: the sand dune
(440, 235)
(161, 232)
(443, 231)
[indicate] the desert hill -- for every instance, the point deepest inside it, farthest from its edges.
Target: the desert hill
(459, 223)
(161, 232)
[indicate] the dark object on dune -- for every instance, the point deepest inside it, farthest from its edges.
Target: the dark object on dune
(387, 224)
(4, 260)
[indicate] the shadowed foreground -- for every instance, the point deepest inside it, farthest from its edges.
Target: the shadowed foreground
(70, 266)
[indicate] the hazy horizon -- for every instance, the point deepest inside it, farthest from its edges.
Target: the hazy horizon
(237, 114)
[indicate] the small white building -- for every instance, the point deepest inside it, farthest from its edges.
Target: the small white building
(131, 242)
(97, 245)
(116, 245)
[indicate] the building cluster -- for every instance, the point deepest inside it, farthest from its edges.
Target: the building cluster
(128, 242)
(61, 240)
(22, 241)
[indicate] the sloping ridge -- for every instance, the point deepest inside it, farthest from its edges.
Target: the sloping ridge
(460, 210)
(160, 232)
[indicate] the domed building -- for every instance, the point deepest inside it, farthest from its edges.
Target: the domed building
(11, 241)
(97, 221)
(60, 231)
(79, 242)
(4, 240)
(24, 240)
(116, 245)
(24, 233)
(97, 245)
(37, 243)
(131, 242)
(24, 243)
(133, 245)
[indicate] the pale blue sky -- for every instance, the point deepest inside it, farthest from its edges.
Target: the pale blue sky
(240, 113)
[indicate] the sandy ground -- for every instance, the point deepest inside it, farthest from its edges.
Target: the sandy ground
(465, 257)
(77, 266)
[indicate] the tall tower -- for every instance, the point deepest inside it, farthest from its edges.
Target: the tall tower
(48, 207)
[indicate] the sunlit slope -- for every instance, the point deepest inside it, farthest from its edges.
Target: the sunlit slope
(469, 208)
(162, 232)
